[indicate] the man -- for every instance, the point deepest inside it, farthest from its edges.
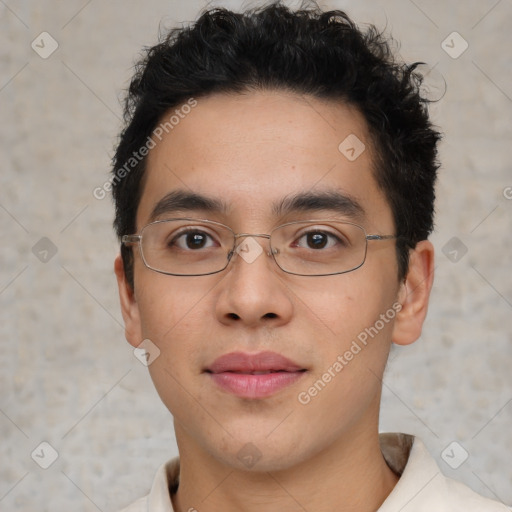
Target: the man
(274, 191)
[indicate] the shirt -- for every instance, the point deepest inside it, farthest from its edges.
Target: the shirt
(421, 487)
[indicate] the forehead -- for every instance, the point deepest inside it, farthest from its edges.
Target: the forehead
(252, 152)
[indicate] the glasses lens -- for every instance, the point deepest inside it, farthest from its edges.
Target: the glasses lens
(186, 246)
(319, 248)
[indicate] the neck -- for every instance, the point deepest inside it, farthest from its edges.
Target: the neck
(350, 475)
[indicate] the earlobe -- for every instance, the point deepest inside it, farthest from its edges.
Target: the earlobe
(129, 305)
(414, 294)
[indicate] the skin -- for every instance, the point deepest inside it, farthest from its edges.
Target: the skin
(251, 150)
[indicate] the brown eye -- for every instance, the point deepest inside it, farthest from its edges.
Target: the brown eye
(317, 240)
(192, 239)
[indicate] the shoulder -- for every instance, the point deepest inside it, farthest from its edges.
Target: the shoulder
(141, 505)
(461, 498)
(159, 498)
(422, 486)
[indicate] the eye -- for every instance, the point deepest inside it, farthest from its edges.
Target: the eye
(319, 239)
(192, 239)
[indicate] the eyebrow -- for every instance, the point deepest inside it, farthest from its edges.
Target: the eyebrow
(181, 200)
(302, 202)
(332, 200)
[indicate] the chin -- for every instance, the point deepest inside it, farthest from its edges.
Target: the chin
(260, 453)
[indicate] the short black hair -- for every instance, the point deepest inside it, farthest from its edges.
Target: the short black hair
(306, 51)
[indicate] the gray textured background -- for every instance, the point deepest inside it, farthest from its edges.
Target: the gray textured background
(67, 375)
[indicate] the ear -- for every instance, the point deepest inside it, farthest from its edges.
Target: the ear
(414, 294)
(129, 305)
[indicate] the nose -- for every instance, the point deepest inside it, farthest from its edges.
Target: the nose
(253, 292)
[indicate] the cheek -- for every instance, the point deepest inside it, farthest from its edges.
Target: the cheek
(343, 306)
(354, 319)
(351, 358)
(174, 316)
(169, 305)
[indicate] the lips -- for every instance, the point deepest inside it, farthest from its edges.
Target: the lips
(262, 362)
(254, 375)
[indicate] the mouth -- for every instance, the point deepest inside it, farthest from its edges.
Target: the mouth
(264, 372)
(254, 376)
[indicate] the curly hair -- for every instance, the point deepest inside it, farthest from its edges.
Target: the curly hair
(309, 52)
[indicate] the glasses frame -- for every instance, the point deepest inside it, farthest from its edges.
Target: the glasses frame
(136, 239)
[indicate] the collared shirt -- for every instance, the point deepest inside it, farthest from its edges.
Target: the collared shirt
(421, 487)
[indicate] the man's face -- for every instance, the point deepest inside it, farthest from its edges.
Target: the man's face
(250, 152)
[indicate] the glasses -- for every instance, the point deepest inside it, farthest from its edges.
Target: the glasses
(198, 247)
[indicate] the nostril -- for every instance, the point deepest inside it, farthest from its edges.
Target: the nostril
(233, 316)
(270, 315)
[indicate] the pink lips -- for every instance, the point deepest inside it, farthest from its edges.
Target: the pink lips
(254, 375)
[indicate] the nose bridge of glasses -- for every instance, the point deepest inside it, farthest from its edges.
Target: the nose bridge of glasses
(261, 235)
(238, 236)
